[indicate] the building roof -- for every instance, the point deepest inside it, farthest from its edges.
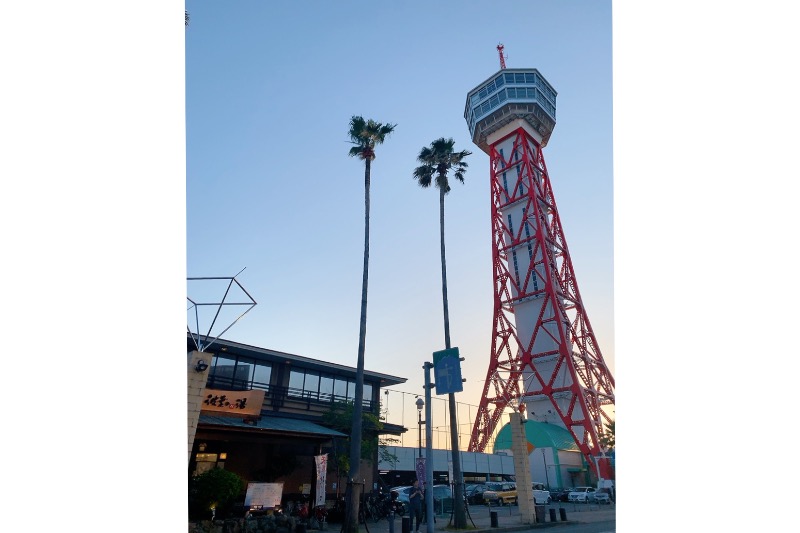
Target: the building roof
(264, 354)
(540, 435)
(271, 424)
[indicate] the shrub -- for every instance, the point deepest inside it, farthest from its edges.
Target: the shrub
(215, 489)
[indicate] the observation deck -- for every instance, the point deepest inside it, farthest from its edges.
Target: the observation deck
(508, 95)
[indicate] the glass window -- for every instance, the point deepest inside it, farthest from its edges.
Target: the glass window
(367, 392)
(222, 374)
(351, 390)
(325, 388)
(296, 378)
(509, 77)
(312, 385)
(261, 376)
(244, 374)
(340, 389)
(529, 77)
(499, 81)
(519, 77)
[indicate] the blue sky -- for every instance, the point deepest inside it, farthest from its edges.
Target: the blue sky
(270, 89)
(100, 223)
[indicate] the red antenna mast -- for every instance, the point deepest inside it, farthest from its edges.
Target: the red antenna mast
(502, 59)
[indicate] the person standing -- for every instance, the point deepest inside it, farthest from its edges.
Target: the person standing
(415, 500)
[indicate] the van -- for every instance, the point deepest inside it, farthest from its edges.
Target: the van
(541, 495)
(500, 494)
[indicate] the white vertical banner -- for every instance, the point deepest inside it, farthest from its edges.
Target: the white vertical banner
(450, 472)
(322, 472)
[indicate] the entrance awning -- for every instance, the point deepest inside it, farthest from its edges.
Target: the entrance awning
(270, 424)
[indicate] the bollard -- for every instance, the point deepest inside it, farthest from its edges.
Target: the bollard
(539, 513)
(405, 526)
(552, 515)
(493, 518)
(563, 513)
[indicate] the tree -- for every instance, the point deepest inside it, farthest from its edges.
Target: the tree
(364, 135)
(340, 418)
(607, 438)
(437, 161)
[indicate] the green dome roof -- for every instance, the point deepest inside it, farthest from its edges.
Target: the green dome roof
(540, 435)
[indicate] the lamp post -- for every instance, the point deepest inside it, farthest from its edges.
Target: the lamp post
(420, 405)
(546, 477)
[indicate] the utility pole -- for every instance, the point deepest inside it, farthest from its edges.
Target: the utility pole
(428, 449)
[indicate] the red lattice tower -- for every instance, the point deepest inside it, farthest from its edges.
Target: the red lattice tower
(544, 353)
(502, 57)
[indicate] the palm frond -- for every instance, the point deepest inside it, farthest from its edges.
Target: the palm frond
(439, 159)
(366, 134)
(423, 174)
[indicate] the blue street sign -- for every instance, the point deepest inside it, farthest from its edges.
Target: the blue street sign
(447, 371)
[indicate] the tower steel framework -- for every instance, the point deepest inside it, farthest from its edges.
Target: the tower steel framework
(544, 357)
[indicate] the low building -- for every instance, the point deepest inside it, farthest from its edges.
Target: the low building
(555, 459)
(261, 415)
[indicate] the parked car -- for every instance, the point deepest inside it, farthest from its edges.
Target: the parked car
(474, 494)
(440, 492)
(559, 495)
(603, 496)
(500, 494)
(582, 494)
(541, 495)
(403, 493)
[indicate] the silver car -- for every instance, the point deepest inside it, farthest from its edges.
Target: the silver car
(583, 494)
(602, 497)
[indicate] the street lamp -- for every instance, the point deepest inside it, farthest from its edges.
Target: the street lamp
(546, 477)
(420, 405)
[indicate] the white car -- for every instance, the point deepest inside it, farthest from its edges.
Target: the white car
(583, 494)
(541, 495)
(403, 493)
(602, 497)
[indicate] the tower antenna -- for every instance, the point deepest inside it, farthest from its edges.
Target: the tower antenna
(502, 59)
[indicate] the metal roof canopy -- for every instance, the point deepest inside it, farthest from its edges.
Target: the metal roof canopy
(270, 424)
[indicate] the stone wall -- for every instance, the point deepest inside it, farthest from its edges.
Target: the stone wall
(255, 524)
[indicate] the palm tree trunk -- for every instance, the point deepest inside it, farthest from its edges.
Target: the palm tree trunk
(354, 487)
(444, 272)
(459, 514)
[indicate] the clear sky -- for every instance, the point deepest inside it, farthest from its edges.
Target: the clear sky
(101, 222)
(270, 89)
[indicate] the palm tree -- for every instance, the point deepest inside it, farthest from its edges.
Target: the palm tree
(437, 160)
(364, 135)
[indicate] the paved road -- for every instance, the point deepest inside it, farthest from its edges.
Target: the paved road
(581, 518)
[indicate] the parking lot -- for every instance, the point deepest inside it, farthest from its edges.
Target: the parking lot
(508, 518)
